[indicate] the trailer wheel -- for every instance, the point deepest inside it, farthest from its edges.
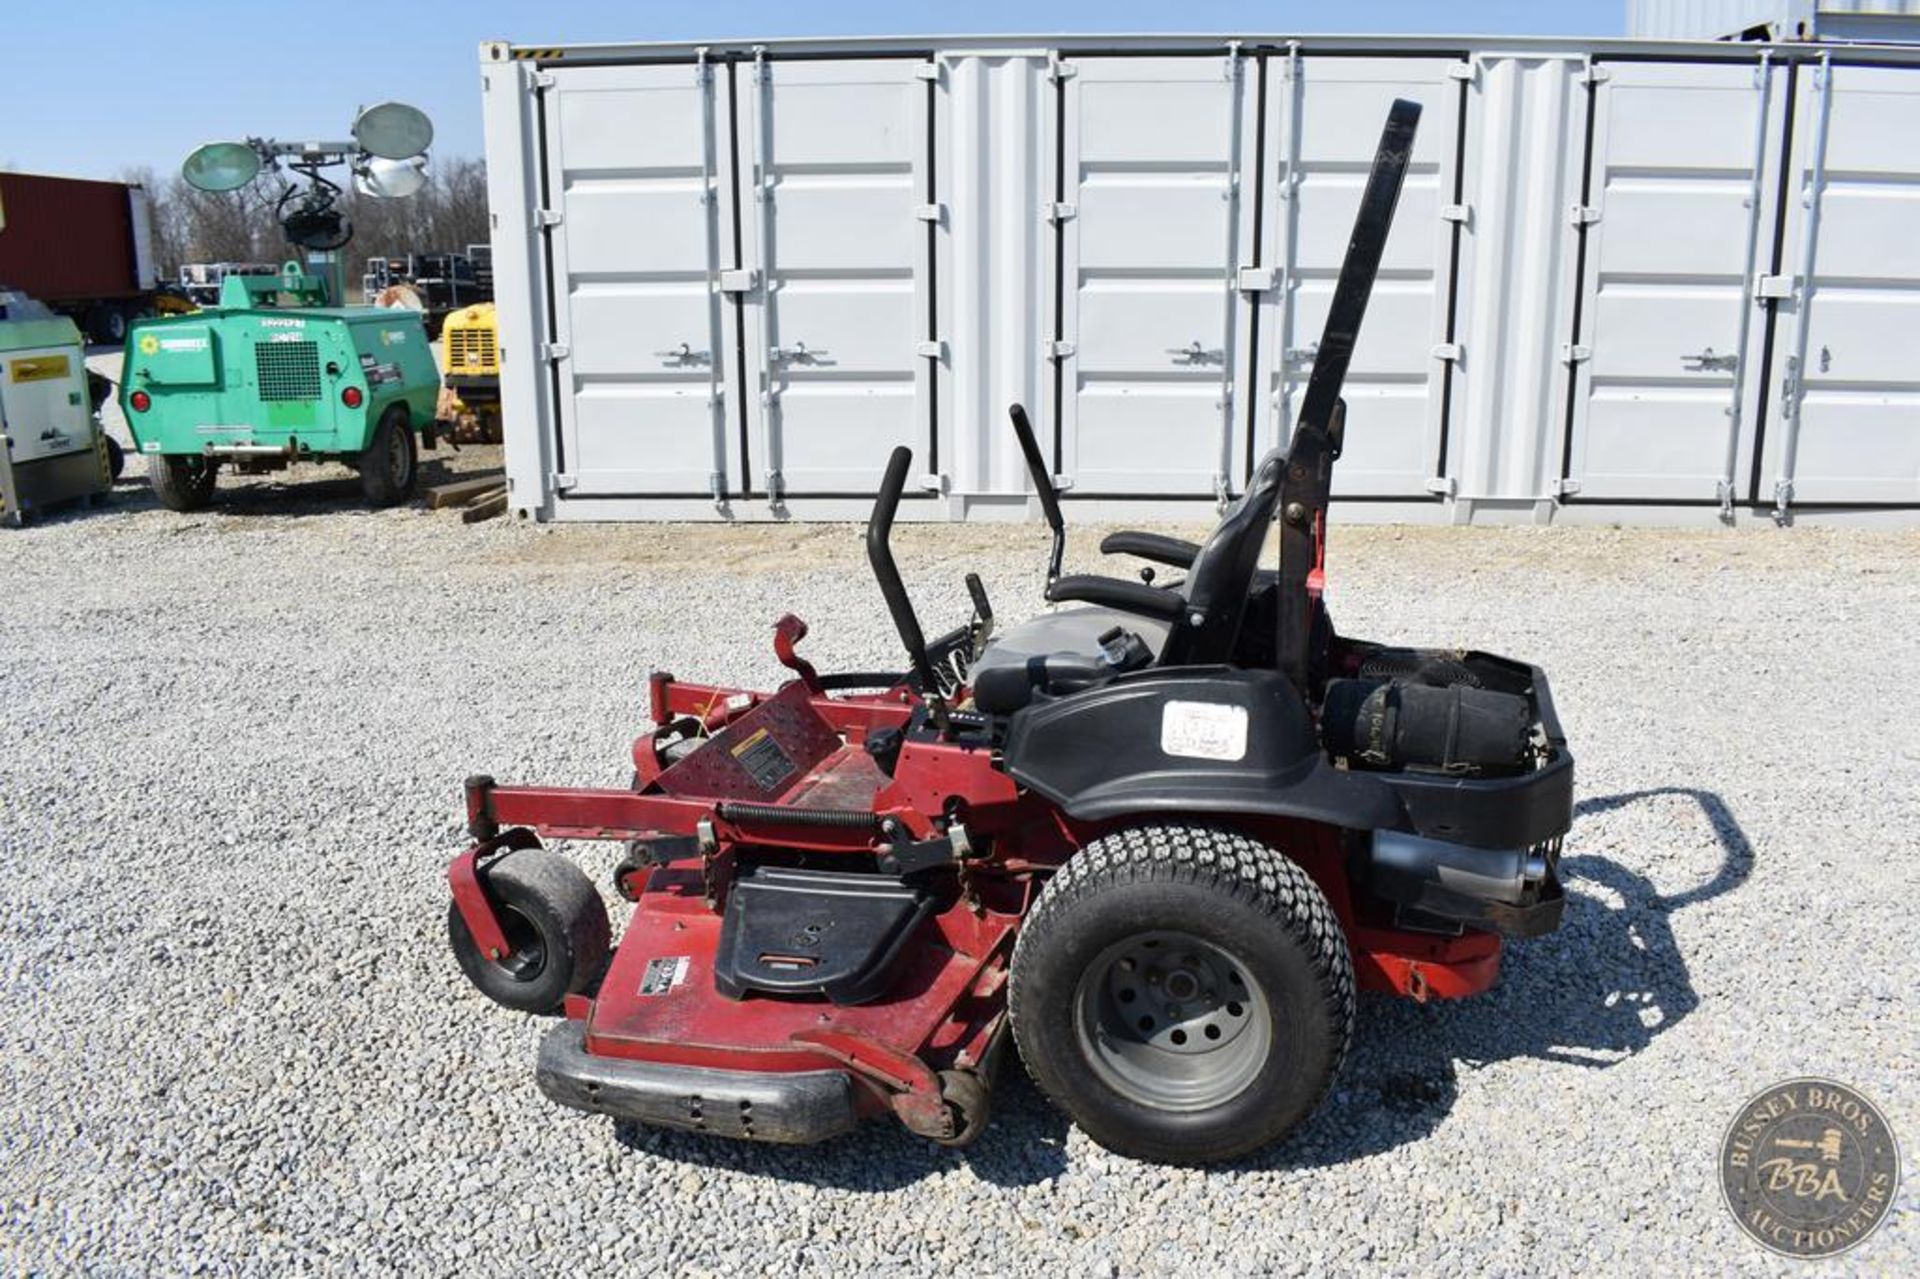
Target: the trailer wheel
(553, 919)
(116, 458)
(388, 465)
(181, 483)
(1183, 992)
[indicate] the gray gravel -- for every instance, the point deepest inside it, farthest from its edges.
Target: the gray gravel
(230, 749)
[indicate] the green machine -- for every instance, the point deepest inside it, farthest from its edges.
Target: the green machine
(273, 375)
(51, 447)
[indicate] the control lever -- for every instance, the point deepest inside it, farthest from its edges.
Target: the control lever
(982, 627)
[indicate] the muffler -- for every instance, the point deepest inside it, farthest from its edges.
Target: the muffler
(1514, 890)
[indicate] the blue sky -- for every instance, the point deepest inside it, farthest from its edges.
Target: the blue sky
(90, 89)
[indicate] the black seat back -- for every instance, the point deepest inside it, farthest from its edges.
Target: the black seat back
(1222, 574)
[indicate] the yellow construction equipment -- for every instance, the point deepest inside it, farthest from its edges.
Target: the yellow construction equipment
(470, 374)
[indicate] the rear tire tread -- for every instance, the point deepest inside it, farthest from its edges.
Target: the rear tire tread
(1223, 861)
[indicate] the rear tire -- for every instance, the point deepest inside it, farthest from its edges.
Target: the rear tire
(553, 919)
(181, 483)
(389, 464)
(116, 458)
(1183, 992)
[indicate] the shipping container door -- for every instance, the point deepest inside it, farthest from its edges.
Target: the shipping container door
(1669, 338)
(1152, 226)
(1323, 124)
(840, 156)
(1857, 368)
(635, 200)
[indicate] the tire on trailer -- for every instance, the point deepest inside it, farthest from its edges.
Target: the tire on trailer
(182, 483)
(390, 463)
(554, 921)
(116, 458)
(1183, 992)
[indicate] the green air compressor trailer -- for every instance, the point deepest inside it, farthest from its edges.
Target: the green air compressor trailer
(272, 375)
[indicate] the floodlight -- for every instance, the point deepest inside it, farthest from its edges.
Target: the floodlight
(221, 166)
(393, 131)
(390, 179)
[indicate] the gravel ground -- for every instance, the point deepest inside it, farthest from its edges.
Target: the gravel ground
(230, 750)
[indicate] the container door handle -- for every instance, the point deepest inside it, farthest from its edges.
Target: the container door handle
(1707, 362)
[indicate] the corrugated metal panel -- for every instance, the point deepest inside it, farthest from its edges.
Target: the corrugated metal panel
(1718, 19)
(1584, 305)
(66, 238)
(1783, 19)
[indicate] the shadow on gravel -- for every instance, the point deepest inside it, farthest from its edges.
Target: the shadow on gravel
(1023, 1145)
(313, 490)
(1593, 993)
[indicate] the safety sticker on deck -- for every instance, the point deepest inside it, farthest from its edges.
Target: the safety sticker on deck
(663, 974)
(1204, 730)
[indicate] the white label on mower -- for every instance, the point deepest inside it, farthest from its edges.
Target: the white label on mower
(663, 974)
(1204, 730)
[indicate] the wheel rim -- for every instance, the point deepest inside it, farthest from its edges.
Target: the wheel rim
(1173, 1022)
(527, 954)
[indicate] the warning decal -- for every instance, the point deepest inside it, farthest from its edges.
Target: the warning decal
(663, 974)
(1204, 730)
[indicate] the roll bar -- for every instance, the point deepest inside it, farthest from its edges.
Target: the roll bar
(880, 556)
(1043, 485)
(1317, 436)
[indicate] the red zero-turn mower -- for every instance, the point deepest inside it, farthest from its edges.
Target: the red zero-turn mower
(1159, 836)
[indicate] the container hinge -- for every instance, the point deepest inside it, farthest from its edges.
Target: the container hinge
(1593, 74)
(543, 80)
(935, 482)
(932, 349)
(927, 71)
(1059, 350)
(739, 280)
(1773, 286)
(1468, 71)
(1461, 213)
(1059, 68)
(1582, 214)
(1256, 279)
(930, 212)
(548, 217)
(1443, 485)
(1567, 488)
(1448, 351)
(1059, 212)
(1574, 353)
(1062, 483)
(552, 351)
(563, 482)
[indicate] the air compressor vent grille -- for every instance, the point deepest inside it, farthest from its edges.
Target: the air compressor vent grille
(469, 349)
(288, 370)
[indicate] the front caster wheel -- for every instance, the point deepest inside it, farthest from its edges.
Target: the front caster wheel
(555, 923)
(1183, 992)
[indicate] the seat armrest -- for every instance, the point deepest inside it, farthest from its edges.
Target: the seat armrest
(1115, 592)
(1174, 552)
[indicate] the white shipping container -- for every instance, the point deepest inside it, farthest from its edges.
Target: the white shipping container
(1629, 280)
